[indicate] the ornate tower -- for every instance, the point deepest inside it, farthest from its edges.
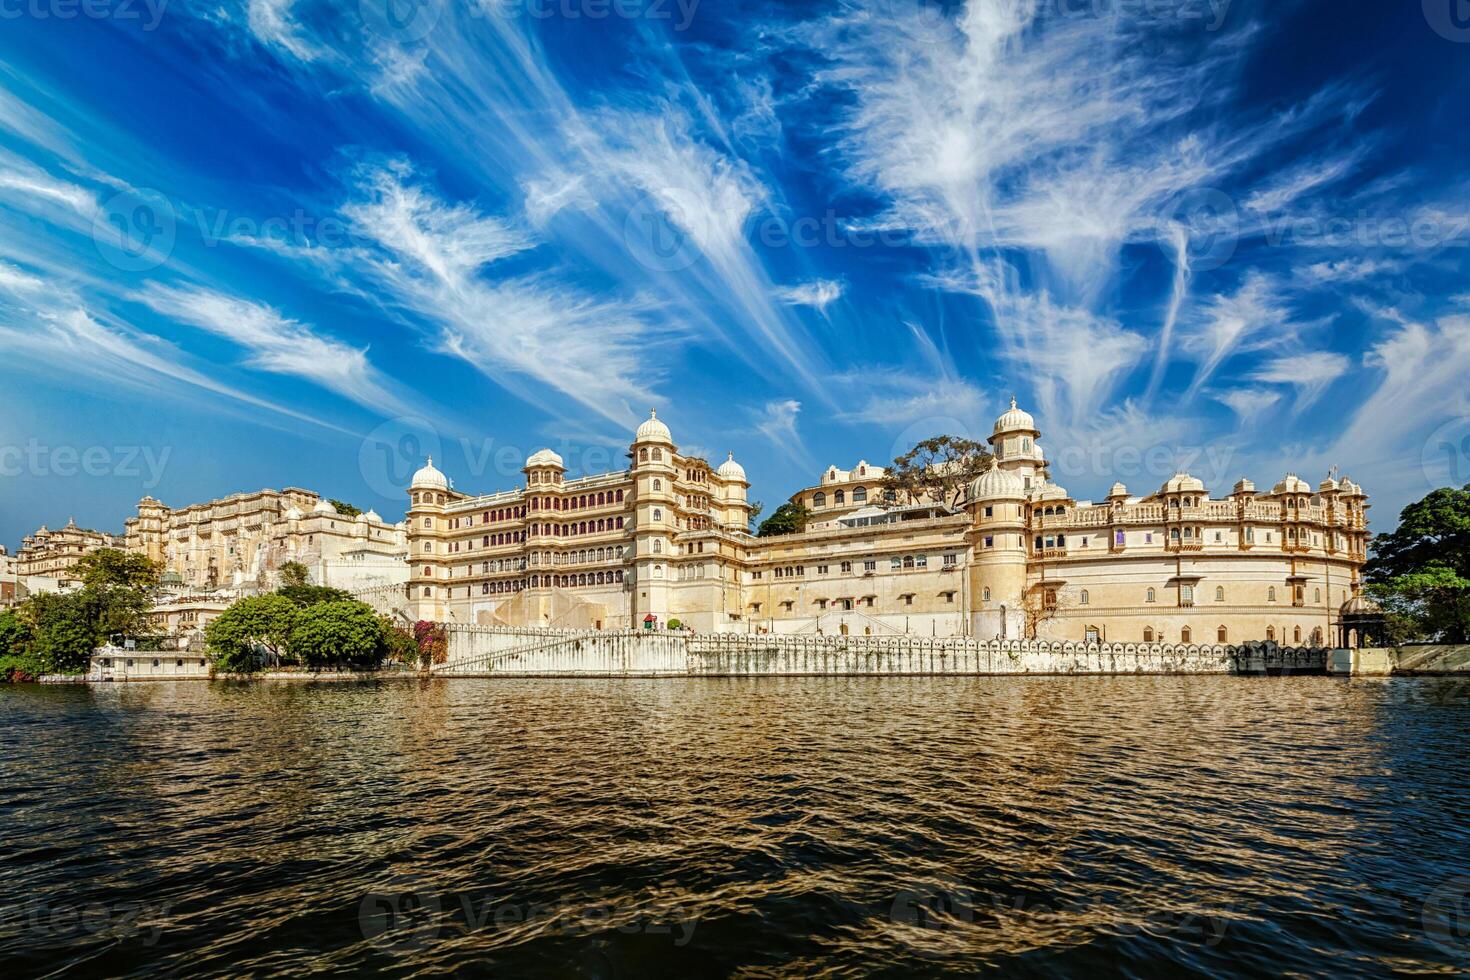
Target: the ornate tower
(1014, 444)
(428, 559)
(996, 501)
(654, 521)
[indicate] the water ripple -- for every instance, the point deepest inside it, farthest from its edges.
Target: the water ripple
(748, 828)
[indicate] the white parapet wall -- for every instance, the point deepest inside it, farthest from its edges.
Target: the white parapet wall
(527, 652)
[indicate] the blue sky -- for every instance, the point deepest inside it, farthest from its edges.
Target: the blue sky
(289, 242)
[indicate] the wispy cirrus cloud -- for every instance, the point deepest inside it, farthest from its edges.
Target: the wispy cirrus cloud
(818, 294)
(280, 345)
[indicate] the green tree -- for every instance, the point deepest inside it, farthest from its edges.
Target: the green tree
(255, 621)
(936, 470)
(295, 574)
(118, 592)
(17, 661)
(398, 643)
(756, 509)
(789, 518)
(305, 596)
(65, 630)
(1420, 572)
(344, 508)
(333, 633)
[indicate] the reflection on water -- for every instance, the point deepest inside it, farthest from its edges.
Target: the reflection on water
(753, 827)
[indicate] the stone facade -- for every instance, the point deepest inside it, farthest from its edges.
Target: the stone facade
(49, 554)
(241, 542)
(667, 539)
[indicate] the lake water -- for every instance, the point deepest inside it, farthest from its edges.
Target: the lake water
(757, 828)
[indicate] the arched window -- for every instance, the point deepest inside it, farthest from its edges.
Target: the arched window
(1222, 635)
(1184, 635)
(1149, 596)
(658, 484)
(819, 499)
(1271, 633)
(1148, 634)
(658, 547)
(1174, 534)
(986, 594)
(1317, 595)
(620, 496)
(839, 497)
(1219, 593)
(860, 495)
(658, 514)
(1085, 598)
(1271, 594)
(1296, 635)
(658, 455)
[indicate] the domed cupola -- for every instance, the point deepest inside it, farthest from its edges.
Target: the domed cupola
(731, 470)
(652, 430)
(545, 457)
(429, 478)
(323, 509)
(1015, 420)
(372, 517)
(996, 484)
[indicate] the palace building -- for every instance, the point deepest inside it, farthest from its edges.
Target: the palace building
(241, 542)
(667, 540)
(52, 556)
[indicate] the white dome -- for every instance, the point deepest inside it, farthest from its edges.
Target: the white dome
(372, 517)
(1050, 491)
(293, 513)
(324, 508)
(1015, 420)
(997, 484)
(1118, 490)
(360, 519)
(544, 457)
(430, 478)
(731, 470)
(1182, 483)
(1292, 484)
(653, 431)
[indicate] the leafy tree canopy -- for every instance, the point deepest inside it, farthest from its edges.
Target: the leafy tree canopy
(111, 568)
(344, 508)
(264, 620)
(789, 518)
(294, 573)
(1420, 572)
(332, 633)
(310, 595)
(936, 470)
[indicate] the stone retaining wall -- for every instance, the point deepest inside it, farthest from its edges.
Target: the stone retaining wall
(518, 652)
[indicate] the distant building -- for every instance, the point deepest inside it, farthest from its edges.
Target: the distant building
(242, 542)
(667, 539)
(53, 555)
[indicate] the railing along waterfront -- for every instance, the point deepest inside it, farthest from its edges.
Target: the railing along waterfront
(516, 651)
